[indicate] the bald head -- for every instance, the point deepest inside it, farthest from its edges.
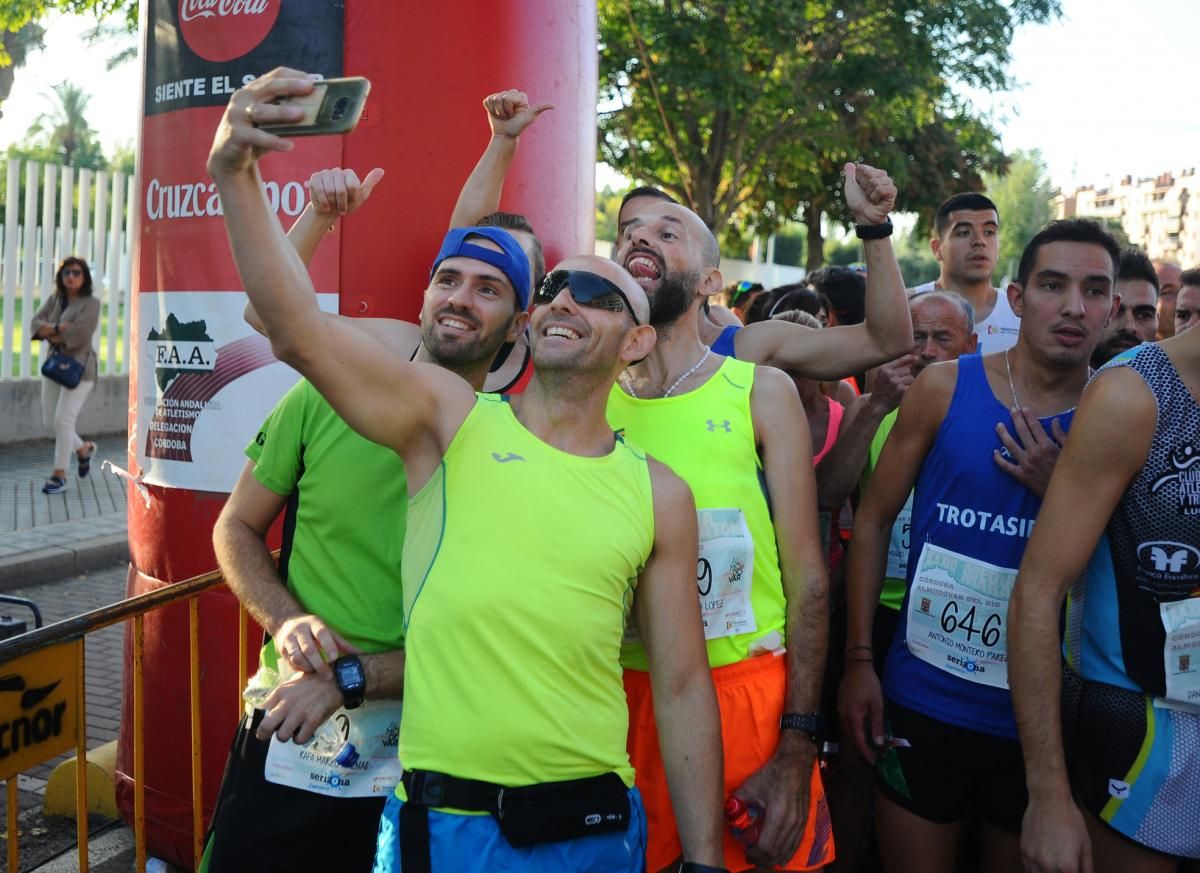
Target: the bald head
(616, 274)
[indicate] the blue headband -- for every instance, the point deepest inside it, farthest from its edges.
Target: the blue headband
(511, 258)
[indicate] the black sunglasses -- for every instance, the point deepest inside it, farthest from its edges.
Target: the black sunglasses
(588, 289)
(72, 271)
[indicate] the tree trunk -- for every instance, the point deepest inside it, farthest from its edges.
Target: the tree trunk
(814, 242)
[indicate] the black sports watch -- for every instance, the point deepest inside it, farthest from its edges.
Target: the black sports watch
(812, 723)
(874, 231)
(351, 680)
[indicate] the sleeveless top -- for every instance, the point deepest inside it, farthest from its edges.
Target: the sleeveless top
(707, 437)
(963, 502)
(1145, 573)
(723, 344)
(836, 413)
(519, 569)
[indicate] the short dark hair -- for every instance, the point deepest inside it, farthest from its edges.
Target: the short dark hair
(846, 290)
(965, 200)
(516, 221)
(645, 191)
(1135, 264)
(1190, 277)
(1079, 230)
(797, 296)
(85, 290)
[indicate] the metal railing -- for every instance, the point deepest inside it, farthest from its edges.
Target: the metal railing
(63, 641)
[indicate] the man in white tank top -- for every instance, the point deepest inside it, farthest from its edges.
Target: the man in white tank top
(967, 245)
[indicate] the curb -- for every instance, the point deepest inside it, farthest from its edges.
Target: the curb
(56, 562)
(101, 763)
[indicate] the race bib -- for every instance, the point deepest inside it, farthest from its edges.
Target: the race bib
(1181, 653)
(373, 728)
(898, 544)
(724, 572)
(957, 609)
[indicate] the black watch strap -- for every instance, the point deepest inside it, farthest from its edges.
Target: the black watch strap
(811, 723)
(874, 231)
(692, 867)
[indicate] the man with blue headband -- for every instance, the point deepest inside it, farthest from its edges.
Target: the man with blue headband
(514, 724)
(344, 499)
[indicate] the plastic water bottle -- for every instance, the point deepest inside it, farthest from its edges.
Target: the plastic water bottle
(744, 820)
(327, 741)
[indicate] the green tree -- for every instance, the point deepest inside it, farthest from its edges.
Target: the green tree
(1022, 196)
(65, 127)
(15, 14)
(15, 47)
(608, 204)
(749, 108)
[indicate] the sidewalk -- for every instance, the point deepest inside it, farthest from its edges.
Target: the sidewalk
(45, 537)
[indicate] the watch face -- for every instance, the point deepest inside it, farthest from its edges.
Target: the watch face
(350, 674)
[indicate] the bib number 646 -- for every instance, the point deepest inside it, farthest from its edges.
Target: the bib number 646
(988, 631)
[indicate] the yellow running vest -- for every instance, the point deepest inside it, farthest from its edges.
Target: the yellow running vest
(707, 437)
(519, 568)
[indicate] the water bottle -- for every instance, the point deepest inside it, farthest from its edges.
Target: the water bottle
(327, 741)
(744, 819)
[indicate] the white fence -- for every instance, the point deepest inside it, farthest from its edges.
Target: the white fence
(93, 223)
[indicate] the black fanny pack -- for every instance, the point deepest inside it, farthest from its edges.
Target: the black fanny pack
(527, 816)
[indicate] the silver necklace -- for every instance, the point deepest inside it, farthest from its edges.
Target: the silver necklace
(677, 382)
(1011, 386)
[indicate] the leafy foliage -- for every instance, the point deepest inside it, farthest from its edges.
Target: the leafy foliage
(746, 110)
(1022, 197)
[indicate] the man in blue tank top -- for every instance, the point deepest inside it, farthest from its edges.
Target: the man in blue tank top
(1113, 766)
(945, 743)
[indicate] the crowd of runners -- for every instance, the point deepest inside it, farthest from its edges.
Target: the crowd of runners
(617, 568)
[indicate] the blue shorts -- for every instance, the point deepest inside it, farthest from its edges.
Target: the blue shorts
(474, 844)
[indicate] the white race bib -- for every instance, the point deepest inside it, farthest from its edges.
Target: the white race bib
(957, 609)
(724, 573)
(1181, 653)
(898, 544)
(374, 728)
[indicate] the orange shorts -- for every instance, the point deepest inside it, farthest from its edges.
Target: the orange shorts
(750, 695)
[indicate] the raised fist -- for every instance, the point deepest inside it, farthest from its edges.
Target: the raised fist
(870, 193)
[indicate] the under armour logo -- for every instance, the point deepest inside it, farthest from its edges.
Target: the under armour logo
(724, 425)
(504, 459)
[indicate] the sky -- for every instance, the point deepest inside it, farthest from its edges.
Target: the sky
(1105, 91)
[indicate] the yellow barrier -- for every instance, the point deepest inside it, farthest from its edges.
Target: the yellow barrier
(46, 715)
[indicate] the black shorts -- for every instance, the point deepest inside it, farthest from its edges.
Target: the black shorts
(261, 826)
(951, 773)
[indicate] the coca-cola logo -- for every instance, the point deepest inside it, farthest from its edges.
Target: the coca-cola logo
(221, 30)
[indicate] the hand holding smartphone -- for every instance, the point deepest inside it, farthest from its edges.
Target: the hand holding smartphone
(333, 107)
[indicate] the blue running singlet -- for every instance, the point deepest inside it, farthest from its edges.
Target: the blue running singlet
(964, 507)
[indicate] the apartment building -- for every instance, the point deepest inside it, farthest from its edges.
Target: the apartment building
(1161, 214)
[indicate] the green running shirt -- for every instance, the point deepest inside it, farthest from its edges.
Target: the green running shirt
(707, 437)
(344, 522)
(520, 566)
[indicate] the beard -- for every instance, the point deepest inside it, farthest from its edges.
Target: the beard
(1112, 346)
(673, 298)
(457, 353)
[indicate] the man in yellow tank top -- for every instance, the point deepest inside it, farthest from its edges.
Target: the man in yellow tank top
(738, 435)
(513, 702)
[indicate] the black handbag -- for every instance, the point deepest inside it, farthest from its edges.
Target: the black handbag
(63, 369)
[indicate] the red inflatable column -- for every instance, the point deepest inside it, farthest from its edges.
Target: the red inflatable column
(202, 381)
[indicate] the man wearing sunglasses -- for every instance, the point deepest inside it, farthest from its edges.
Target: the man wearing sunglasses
(738, 435)
(513, 703)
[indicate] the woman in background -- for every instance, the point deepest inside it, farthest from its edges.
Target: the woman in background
(67, 322)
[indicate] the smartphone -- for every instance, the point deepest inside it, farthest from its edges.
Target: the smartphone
(333, 107)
